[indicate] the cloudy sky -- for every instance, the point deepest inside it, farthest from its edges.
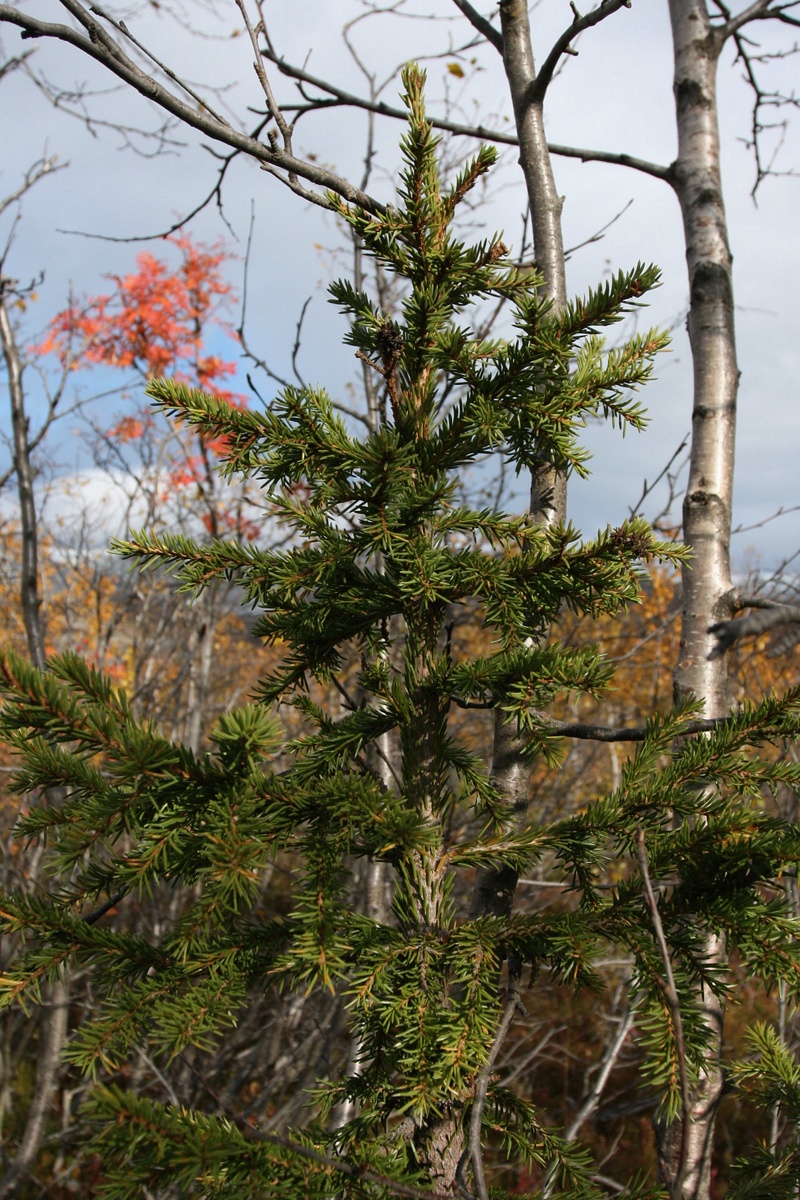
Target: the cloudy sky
(615, 95)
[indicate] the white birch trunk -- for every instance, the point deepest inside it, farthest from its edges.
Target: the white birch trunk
(685, 1157)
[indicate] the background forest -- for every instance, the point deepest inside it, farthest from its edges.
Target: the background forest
(623, 872)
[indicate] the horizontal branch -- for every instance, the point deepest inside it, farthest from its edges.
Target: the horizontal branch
(620, 733)
(768, 614)
(585, 731)
(479, 132)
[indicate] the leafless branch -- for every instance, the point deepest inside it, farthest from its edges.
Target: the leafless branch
(670, 992)
(215, 194)
(93, 917)
(480, 132)
(44, 166)
(597, 236)
(768, 614)
(584, 731)
(759, 10)
(598, 1087)
(618, 160)
(11, 64)
(648, 488)
(122, 28)
(731, 27)
(606, 1067)
(482, 24)
(99, 45)
(473, 1152)
(562, 45)
(782, 511)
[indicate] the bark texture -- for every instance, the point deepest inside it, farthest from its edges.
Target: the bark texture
(494, 890)
(707, 593)
(685, 1155)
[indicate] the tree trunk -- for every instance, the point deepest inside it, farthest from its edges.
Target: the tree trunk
(52, 1020)
(494, 890)
(30, 597)
(685, 1158)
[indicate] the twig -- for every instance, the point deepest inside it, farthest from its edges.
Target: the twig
(562, 44)
(44, 166)
(670, 992)
(94, 916)
(473, 1152)
(98, 44)
(590, 1103)
(482, 24)
(258, 67)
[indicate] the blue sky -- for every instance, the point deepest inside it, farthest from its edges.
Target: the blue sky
(616, 95)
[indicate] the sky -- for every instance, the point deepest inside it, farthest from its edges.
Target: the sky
(616, 94)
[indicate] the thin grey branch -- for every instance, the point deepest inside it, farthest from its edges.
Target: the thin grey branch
(473, 1152)
(480, 132)
(670, 992)
(563, 44)
(619, 160)
(100, 46)
(45, 166)
(482, 24)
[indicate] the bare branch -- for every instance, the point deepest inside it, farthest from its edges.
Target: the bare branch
(592, 1100)
(482, 24)
(258, 66)
(11, 64)
(759, 10)
(648, 488)
(100, 46)
(157, 62)
(45, 166)
(670, 992)
(620, 733)
(562, 44)
(767, 616)
(606, 1067)
(473, 1152)
(481, 132)
(619, 160)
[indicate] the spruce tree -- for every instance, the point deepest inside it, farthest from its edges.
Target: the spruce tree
(383, 558)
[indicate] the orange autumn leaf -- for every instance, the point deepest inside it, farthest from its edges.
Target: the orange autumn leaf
(152, 321)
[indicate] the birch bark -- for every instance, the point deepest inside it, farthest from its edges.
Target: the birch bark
(685, 1155)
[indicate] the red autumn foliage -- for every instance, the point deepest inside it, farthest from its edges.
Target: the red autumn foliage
(153, 321)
